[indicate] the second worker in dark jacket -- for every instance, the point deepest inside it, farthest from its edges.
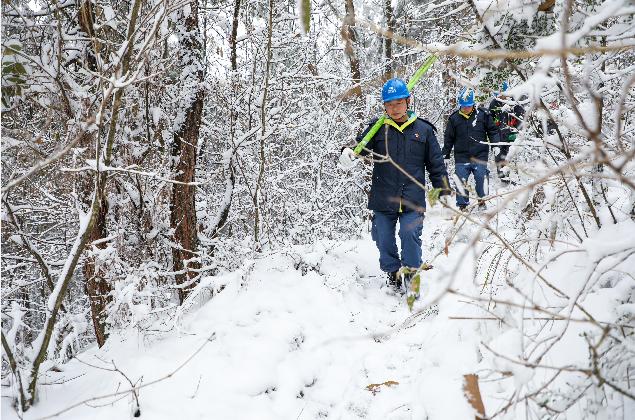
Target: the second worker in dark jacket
(469, 132)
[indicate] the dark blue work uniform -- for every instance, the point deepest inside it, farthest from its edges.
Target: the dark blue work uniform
(397, 191)
(469, 135)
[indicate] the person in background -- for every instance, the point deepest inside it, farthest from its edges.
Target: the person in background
(469, 131)
(397, 192)
(508, 117)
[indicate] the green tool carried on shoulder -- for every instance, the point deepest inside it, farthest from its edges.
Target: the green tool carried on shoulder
(411, 84)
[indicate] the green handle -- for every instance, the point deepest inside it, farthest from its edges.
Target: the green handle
(422, 70)
(411, 84)
(373, 130)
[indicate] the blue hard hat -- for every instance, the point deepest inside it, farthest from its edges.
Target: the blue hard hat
(394, 89)
(466, 97)
(503, 87)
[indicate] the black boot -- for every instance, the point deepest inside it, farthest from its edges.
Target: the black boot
(393, 281)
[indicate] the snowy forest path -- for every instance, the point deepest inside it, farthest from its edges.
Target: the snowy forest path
(309, 333)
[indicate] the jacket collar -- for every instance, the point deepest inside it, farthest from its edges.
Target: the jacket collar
(411, 118)
(467, 116)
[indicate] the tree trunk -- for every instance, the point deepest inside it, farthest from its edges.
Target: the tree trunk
(263, 125)
(390, 21)
(232, 38)
(349, 38)
(184, 151)
(103, 155)
(223, 212)
(97, 287)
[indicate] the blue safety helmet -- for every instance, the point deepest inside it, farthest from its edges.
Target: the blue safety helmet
(394, 89)
(466, 97)
(504, 86)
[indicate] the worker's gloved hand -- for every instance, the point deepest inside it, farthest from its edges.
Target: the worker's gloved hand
(348, 159)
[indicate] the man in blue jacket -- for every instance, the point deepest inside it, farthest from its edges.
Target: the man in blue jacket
(403, 151)
(469, 131)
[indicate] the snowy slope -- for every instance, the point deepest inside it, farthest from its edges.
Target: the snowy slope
(287, 345)
(301, 334)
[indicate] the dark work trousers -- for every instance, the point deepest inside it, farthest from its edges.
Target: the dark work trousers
(463, 171)
(383, 233)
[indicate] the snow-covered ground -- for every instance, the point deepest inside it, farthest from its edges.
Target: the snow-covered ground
(308, 333)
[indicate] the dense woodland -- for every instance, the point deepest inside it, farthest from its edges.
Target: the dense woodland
(148, 144)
